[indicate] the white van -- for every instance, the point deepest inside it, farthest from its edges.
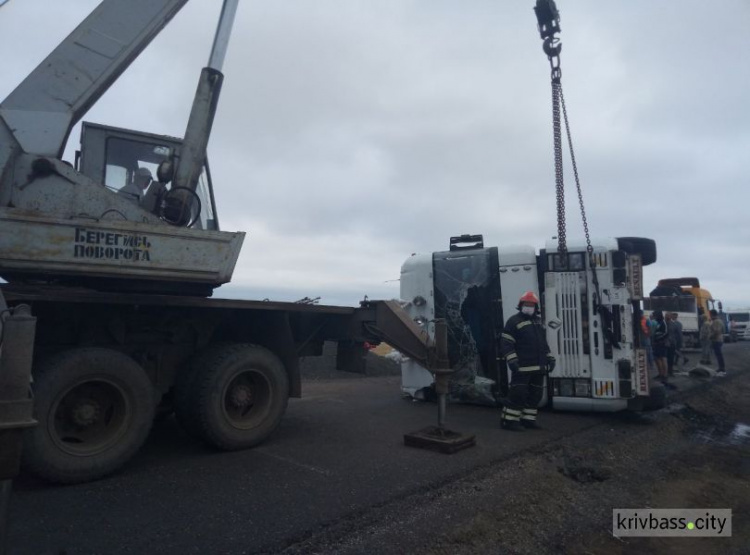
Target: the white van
(739, 322)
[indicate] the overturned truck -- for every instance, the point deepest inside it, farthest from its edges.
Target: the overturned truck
(590, 309)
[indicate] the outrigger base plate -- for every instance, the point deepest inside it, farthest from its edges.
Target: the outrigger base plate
(439, 439)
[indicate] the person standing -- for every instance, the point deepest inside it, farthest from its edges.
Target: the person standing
(679, 339)
(646, 344)
(705, 338)
(717, 340)
(524, 347)
(659, 341)
(671, 342)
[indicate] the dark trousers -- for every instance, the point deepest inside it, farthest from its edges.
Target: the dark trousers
(671, 356)
(717, 345)
(524, 393)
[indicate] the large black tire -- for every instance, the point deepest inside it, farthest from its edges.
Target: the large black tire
(185, 397)
(95, 408)
(240, 394)
(639, 245)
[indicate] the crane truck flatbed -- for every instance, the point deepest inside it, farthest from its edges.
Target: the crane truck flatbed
(105, 364)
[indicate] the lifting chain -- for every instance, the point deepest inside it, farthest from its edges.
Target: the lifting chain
(548, 19)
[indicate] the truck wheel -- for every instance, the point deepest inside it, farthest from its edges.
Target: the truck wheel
(639, 245)
(94, 407)
(185, 398)
(240, 396)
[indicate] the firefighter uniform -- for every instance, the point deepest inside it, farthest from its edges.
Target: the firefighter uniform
(524, 347)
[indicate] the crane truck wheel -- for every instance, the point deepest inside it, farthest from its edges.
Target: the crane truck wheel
(240, 396)
(185, 398)
(94, 409)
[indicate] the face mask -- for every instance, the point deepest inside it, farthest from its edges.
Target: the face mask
(528, 310)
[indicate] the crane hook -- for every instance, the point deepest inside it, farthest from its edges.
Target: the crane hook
(548, 23)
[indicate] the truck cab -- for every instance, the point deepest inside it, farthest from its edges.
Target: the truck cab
(739, 323)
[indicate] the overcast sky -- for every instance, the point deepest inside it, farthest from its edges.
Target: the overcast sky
(352, 133)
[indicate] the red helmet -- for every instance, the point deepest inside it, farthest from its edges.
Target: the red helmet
(528, 297)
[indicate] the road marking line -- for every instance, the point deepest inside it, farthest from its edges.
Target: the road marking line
(293, 462)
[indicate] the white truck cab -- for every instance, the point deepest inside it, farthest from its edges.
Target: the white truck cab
(590, 308)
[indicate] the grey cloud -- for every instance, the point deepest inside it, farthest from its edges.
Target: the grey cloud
(352, 133)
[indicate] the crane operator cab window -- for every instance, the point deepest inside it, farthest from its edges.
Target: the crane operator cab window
(128, 163)
(132, 169)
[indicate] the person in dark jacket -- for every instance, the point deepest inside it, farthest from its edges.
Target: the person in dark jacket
(672, 341)
(659, 342)
(524, 347)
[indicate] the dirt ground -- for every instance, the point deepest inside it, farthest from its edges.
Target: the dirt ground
(691, 455)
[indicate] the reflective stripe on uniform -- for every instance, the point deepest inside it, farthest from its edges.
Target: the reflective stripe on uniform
(519, 325)
(529, 415)
(511, 415)
(509, 337)
(511, 356)
(529, 368)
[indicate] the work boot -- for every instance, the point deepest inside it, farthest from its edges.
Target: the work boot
(510, 425)
(530, 425)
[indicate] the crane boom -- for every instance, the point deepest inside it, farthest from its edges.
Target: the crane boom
(43, 109)
(55, 219)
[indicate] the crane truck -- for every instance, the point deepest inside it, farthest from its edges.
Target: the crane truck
(118, 255)
(590, 309)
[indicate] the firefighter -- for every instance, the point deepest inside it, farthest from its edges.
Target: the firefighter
(525, 349)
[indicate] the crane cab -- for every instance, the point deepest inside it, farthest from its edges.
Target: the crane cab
(135, 165)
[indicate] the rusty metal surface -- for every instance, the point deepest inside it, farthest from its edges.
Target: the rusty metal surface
(374, 320)
(16, 410)
(436, 438)
(387, 321)
(48, 293)
(57, 246)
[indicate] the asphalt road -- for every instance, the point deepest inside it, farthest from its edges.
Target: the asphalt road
(338, 454)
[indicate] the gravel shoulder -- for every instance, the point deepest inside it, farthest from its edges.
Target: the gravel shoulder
(558, 497)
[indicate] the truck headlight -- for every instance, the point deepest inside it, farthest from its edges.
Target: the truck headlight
(566, 388)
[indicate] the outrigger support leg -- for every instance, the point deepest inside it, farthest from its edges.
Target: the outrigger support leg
(439, 438)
